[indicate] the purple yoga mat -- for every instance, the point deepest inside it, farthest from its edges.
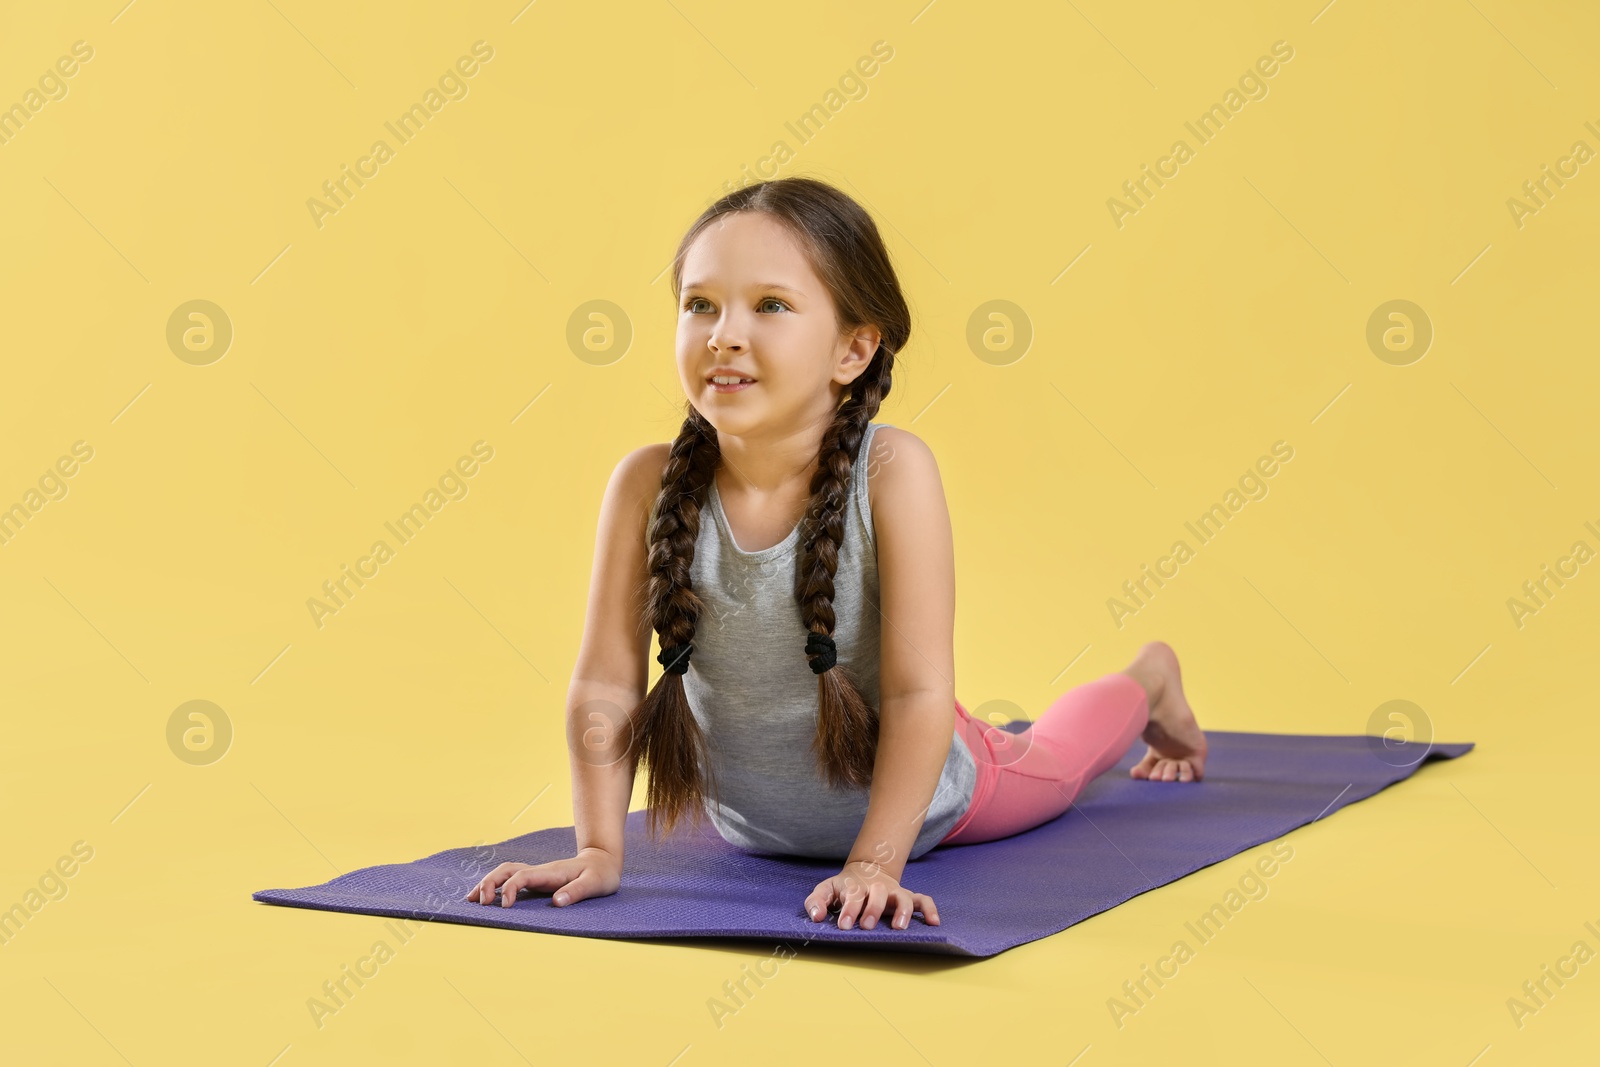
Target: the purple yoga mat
(1121, 838)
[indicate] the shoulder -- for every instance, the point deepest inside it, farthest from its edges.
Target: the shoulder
(643, 466)
(901, 470)
(637, 477)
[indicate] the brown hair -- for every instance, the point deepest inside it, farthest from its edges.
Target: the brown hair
(846, 251)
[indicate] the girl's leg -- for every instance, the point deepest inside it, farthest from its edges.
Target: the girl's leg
(1030, 778)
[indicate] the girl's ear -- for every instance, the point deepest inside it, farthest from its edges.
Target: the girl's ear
(855, 359)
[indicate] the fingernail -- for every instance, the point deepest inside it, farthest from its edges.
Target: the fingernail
(562, 898)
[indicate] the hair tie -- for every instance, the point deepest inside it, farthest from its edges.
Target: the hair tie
(676, 658)
(821, 646)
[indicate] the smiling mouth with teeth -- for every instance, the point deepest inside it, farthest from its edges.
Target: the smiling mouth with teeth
(728, 383)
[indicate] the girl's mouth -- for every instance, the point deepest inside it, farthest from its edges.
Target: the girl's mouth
(719, 387)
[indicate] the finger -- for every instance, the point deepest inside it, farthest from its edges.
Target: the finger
(930, 911)
(877, 897)
(540, 877)
(510, 887)
(1170, 774)
(1185, 772)
(820, 900)
(483, 892)
(904, 904)
(580, 888)
(850, 904)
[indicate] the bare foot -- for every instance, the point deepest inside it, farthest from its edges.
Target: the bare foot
(1177, 746)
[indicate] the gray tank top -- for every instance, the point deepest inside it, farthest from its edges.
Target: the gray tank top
(755, 697)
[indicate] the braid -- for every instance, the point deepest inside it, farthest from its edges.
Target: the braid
(669, 739)
(846, 741)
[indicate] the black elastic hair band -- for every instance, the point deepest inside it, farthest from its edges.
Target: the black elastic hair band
(821, 646)
(676, 658)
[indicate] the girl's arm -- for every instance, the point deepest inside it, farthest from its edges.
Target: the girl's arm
(916, 680)
(608, 682)
(612, 672)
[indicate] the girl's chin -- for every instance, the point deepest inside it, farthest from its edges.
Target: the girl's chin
(732, 419)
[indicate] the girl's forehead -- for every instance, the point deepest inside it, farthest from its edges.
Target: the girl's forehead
(750, 245)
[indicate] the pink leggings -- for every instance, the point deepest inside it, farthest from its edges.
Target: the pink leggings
(1030, 778)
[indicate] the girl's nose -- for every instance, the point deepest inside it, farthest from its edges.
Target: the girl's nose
(726, 337)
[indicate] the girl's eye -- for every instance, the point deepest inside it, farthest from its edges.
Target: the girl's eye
(689, 305)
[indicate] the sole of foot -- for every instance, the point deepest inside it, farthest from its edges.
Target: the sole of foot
(1176, 745)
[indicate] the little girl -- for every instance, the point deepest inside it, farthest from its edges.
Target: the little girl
(795, 561)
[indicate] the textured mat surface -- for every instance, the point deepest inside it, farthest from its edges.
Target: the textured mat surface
(1123, 837)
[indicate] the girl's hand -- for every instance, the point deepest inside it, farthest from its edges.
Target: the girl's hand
(593, 872)
(864, 890)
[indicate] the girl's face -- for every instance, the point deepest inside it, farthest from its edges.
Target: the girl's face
(753, 307)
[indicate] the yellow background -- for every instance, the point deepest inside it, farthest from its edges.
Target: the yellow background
(369, 353)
